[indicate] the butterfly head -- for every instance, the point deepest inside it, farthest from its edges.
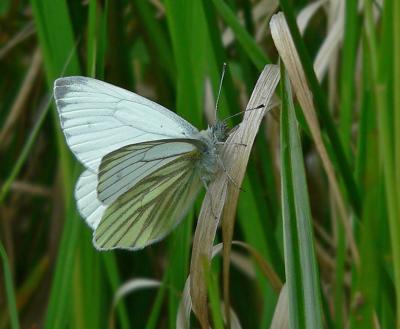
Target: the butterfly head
(220, 131)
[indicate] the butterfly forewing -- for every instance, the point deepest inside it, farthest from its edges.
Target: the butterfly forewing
(152, 208)
(98, 118)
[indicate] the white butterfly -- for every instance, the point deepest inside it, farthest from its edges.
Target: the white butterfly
(144, 164)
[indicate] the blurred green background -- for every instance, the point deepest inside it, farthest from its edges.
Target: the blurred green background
(172, 51)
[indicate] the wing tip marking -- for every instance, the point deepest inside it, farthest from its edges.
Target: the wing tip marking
(62, 85)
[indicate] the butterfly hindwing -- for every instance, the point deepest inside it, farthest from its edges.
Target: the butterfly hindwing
(89, 206)
(151, 208)
(120, 170)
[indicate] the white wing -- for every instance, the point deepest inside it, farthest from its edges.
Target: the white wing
(152, 208)
(90, 208)
(98, 118)
(121, 169)
(127, 168)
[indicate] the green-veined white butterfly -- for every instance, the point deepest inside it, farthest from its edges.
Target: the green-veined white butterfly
(144, 164)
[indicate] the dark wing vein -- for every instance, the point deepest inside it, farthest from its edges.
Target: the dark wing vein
(122, 169)
(147, 212)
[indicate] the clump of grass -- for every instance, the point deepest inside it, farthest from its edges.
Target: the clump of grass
(318, 209)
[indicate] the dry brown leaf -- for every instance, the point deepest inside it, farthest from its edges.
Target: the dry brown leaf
(332, 42)
(287, 51)
(27, 31)
(262, 94)
(267, 269)
(222, 196)
(330, 47)
(127, 288)
(261, 13)
(185, 305)
(21, 99)
(305, 15)
(244, 264)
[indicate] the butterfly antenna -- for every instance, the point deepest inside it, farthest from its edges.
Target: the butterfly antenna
(219, 90)
(241, 112)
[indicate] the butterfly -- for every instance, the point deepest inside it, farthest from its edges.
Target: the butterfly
(144, 164)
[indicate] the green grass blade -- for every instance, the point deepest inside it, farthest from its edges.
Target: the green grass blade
(216, 56)
(57, 42)
(58, 311)
(111, 266)
(157, 306)
(92, 39)
(58, 47)
(190, 57)
(301, 266)
(9, 286)
(323, 110)
(25, 151)
(256, 54)
(215, 303)
(178, 252)
(395, 5)
(382, 77)
(290, 237)
(347, 96)
(347, 86)
(156, 38)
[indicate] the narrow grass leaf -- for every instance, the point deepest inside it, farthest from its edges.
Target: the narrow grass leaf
(127, 288)
(58, 310)
(187, 39)
(290, 238)
(301, 271)
(185, 305)
(381, 87)
(281, 315)
(235, 160)
(396, 87)
(111, 266)
(5, 188)
(265, 267)
(157, 306)
(214, 298)
(287, 51)
(305, 15)
(347, 74)
(9, 286)
(58, 48)
(321, 105)
(310, 277)
(255, 53)
(156, 37)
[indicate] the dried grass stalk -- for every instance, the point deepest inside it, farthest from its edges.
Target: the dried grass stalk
(287, 51)
(222, 196)
(281, 314)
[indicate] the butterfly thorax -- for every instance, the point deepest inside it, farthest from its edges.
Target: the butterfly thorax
(209, 161)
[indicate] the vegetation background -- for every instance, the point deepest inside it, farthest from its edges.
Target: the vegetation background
(172, 51)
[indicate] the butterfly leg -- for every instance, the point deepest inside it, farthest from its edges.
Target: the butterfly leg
(221, 163)
(229, 143)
